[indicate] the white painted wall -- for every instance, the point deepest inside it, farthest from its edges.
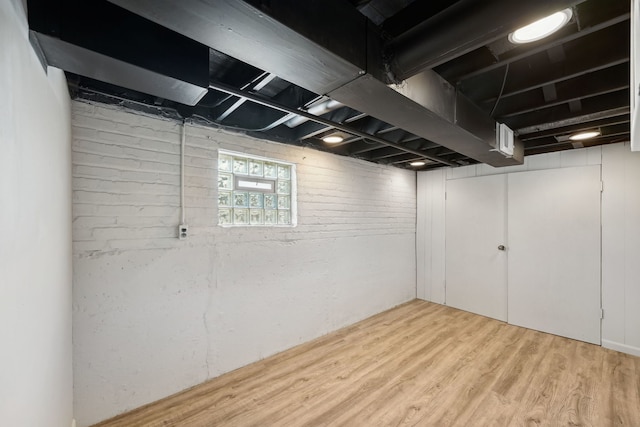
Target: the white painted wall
(430, 232)
(620, 232)
(35, 229)
(621, 249)
(154, 315)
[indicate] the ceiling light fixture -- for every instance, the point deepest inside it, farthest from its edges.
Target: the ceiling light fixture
(584, 135)
(418, 163)
(541, 28)
(333, 139)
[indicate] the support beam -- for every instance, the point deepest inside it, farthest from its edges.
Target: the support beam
(581, 127)
(576, 120)
(597, 105)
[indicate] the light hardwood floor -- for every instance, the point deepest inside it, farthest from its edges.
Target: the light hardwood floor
(419, 364)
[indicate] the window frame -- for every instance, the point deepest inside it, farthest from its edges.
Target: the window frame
(235, 177)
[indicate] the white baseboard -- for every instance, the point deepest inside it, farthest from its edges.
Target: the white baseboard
(623, 348)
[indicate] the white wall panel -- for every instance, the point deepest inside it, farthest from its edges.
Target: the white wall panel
(431, 231)
(544, 161)
(154, 315)
(621, 248)
(431, 209)
(461, 172)
(35, 229)
(620, 230)
(554, 251)
(476, 269)
(573, 158)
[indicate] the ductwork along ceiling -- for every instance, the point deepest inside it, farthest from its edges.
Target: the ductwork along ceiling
(400, 80)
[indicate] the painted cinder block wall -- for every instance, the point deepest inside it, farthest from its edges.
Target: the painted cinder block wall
(154, 314)
(35, 233)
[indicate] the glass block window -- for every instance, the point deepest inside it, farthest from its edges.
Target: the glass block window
(255, 191)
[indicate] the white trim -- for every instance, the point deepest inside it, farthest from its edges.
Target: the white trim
(612, 345)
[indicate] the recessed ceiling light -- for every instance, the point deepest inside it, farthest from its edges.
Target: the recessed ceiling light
(584, 135)
(333, 139)
(541, 28)
(418, 163)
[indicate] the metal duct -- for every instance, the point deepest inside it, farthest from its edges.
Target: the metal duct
(428, 106)
(295, 47)
(85, 62)
(289, 38)
(461, 28)
(135, 54)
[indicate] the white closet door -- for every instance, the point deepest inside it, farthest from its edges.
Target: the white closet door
(475, 229)
(554, 251)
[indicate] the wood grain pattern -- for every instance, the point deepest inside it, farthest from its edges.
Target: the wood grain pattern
(419, 364)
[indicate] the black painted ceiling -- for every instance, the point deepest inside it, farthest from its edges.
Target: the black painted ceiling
(251, 65)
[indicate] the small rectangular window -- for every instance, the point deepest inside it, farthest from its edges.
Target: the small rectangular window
(255, 191)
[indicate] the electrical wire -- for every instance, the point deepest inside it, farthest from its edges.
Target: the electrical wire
(504, 80)
(182, 147)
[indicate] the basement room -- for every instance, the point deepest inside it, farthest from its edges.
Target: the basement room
(285, 213)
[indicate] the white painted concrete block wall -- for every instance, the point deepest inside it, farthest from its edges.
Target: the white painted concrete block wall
(154, 315)
(35, 233)
(620, 232)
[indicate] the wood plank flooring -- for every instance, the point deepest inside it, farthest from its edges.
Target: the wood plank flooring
(419, 364)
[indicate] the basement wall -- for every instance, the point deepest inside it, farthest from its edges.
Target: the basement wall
(620, 232)
(35, 233)
(154, 315)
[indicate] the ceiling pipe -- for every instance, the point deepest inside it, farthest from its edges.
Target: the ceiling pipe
(461, 28)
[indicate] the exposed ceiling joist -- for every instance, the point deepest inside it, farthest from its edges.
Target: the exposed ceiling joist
(256, 99)
(525, 51)
(601, 82)
(575, 120)
(461, 28)
(165, 57)
(346, 65)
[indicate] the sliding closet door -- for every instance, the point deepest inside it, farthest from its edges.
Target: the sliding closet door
(475, 261)
(554, 251)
